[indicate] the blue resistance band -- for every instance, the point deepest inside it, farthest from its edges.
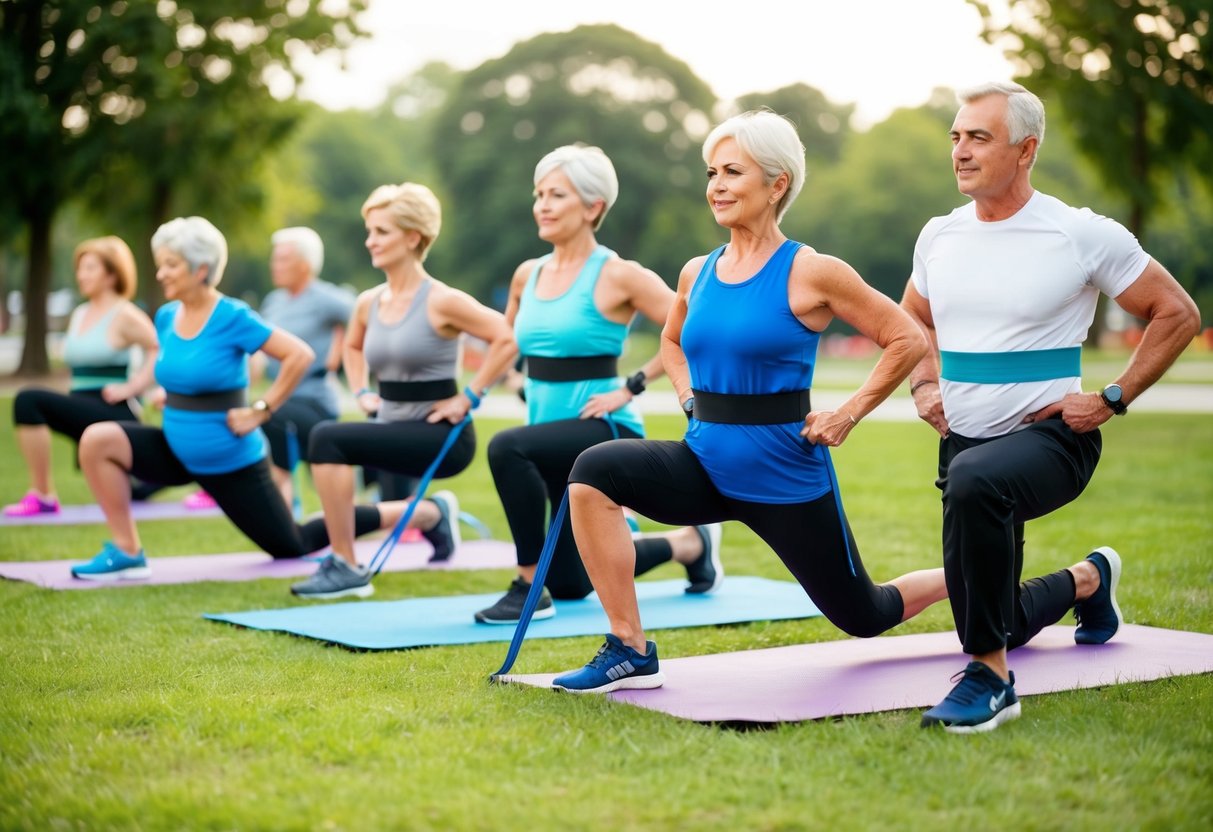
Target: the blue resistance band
(541, 574)
(292, 461)
(385, 549)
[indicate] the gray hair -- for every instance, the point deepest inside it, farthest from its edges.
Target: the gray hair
(198, 241)
(413, 207)
(1025, 111)
(589, 169)
(771, 141)
(306, 242)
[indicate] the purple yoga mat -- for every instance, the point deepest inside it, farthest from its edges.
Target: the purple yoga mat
(78, 515)
(249, 566)
(859, 676)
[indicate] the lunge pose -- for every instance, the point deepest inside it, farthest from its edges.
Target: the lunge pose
(407, 333)
(571, 310)
(1006, 286)
(740, 346)
(210, 434)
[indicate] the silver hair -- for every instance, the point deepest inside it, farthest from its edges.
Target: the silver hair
(1025, 111)
(198, 241)
(771, 141)
(306, 242)
(589, 169)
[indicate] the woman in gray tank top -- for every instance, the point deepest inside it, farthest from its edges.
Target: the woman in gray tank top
(407, 333)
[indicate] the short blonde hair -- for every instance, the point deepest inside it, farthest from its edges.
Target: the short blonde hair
(116, 256)
(413, 207)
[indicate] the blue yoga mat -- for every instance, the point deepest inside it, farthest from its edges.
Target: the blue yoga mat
(424, 622)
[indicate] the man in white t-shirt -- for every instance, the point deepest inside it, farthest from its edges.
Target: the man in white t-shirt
(1006, 287)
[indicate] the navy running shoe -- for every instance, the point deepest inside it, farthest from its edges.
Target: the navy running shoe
(615, 667)
(445, 536)
(707, 572)
(1099, 616)
(981, 701)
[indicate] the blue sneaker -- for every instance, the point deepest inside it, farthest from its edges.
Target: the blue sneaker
(113, 564)
(616, 666)
(981, 701)
(445, 536)
(707, 573)
(1099, 616)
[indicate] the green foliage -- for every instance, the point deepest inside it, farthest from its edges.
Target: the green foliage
(600, 85)
(824, 127)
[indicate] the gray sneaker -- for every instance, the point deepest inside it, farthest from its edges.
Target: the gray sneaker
(706, 573)
(335, 579)
(508, 609)
(444, 537)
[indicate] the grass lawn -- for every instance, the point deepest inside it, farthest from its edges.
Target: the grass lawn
(123, 708)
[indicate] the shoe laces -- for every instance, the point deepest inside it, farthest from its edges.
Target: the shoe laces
(970, 689)
(608, 654)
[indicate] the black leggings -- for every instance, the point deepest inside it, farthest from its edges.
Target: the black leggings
(297, 415)
(70, 413)
(530, 468)
(664, 480)
(247, 496)
(990, 488)
(396, 447)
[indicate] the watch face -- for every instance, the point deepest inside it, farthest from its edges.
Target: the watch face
(689, 405)
(1112, 392)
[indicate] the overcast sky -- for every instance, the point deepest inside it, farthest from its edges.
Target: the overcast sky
(877, 54)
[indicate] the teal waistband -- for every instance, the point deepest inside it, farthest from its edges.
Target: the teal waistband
(1011, 367)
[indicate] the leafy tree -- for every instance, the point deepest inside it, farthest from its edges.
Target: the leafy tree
(824, 126)
(141, 107)
(600, 85)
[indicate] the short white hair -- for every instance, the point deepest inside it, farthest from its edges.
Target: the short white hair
(306, 242)
(589, 169)
(198, 241)
(1025, 111)
(771, 141)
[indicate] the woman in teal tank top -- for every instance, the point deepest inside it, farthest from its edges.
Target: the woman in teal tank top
(97, 349)
(571, 310)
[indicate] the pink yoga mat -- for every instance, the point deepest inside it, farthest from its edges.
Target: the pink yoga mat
(79, 515)
(249, 566)
(859, 676)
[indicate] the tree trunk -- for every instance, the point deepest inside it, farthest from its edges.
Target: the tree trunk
(34, 360)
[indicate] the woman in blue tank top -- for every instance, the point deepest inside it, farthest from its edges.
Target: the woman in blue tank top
(406, 333)
(97, 350)
(210, 434)
(571, 310)
(740, 345)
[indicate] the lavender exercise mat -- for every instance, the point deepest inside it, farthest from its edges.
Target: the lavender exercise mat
(79, 515)
(859, 676)
(249, 566)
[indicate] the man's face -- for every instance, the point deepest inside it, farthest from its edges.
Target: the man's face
(983, 159)
(287, 269)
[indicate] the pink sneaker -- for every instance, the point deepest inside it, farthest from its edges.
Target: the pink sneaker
(30, 505)
(199, 500)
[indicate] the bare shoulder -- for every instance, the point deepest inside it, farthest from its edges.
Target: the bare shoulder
(813, 266)
(628, 271)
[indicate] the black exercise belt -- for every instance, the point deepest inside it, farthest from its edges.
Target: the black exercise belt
(319, 372)
(115, 371)
(208, 402)
(417, 391)
(762, 409)
(578, 368)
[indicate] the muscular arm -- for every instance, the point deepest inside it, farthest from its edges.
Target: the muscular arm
(924, 378)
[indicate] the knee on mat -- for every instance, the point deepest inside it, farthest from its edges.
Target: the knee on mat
(861, 629)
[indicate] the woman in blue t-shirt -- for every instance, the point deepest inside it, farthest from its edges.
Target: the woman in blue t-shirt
(571, 310)
(740, 346)
(210, 434)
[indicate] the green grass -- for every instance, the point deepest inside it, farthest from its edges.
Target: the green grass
(123, 708)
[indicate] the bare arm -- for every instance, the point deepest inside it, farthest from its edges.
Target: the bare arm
(356, 374)
(1173, 320)
(135, 328)
(924, 378)
(822, 287)
(453, 311)
(295, 357)
(672, 357)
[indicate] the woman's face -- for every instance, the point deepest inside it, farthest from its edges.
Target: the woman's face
(92, 277)
(736, 192)
(173, 274)
(388, 243)
(558, 209)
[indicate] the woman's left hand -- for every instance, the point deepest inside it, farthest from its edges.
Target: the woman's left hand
(827, 427)
(244, 420)
(115, 393)
(450, 410)
(601, 404)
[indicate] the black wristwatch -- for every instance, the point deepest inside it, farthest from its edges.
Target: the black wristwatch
(1113, 397)
(688, 407)
(635, 383)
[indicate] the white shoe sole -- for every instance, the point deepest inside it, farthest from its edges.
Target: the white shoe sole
(654, 680)
(1005, 715)
(365, 591)
(538, 615)
(135, 573)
